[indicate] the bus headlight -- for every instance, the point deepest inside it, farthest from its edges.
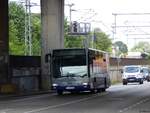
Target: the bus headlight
(85, 84)
(55, 85)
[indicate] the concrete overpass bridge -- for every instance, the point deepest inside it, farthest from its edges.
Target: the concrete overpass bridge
(52, 13)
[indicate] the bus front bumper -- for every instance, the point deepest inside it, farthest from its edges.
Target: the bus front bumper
(72, 88)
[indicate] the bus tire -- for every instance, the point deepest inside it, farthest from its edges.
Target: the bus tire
(59, 92)
(105, 85)
(93, 91)
(99, 90)
(103, 89)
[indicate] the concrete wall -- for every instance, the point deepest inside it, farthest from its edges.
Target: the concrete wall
(129, 61)
(25, 72)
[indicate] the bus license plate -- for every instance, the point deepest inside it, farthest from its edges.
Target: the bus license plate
(70, 87)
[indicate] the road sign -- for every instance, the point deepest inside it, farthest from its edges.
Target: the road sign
(81, 28)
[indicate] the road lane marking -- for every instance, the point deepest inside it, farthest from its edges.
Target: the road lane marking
(134, 105)
(67, 103)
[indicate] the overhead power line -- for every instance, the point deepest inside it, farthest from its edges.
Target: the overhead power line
(115, 25)
(130, 13)
(132, 26)
(101, 22)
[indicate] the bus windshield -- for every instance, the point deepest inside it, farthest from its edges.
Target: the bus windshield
(67, 66)
(74, 71)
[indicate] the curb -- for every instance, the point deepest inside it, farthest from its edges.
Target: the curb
(2, 96)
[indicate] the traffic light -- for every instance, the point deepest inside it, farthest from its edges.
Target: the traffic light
(75, 27)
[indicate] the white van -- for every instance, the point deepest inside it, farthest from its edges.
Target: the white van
(132, 73)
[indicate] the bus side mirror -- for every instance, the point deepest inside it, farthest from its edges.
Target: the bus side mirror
(47, 58)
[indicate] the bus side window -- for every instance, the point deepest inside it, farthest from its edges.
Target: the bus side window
(91, 65)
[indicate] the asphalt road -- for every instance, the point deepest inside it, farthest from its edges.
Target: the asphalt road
(133, 98)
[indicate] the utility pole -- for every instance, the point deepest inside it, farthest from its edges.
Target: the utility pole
(28, 35)
(114, 27)
(70, 11)
(28, 30)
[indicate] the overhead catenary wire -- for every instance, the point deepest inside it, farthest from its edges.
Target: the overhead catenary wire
(135, 29)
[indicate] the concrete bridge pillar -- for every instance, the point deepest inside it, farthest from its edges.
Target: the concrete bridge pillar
(52, 13)
(4, 41)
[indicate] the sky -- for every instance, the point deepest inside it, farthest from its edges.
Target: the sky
(99, 14)
(105, 20)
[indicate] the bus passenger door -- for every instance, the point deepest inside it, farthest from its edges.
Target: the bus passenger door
(99, 79)
(94, 75)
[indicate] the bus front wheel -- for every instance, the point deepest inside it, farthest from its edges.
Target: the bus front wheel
(93, 91)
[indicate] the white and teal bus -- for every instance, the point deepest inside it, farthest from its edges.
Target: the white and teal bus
(76, 70)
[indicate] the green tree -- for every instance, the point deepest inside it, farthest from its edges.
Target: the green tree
(122, 48)
(16, 28)
(36, 34)
(102, 41)
(142, 47)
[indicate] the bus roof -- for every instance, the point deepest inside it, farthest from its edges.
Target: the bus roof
(75, 51)
(97, 50)
(70, 49)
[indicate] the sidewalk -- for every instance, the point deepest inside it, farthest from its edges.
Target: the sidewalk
(2, 96)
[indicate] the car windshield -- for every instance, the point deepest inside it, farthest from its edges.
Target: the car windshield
(131, 69)
(74, 71)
